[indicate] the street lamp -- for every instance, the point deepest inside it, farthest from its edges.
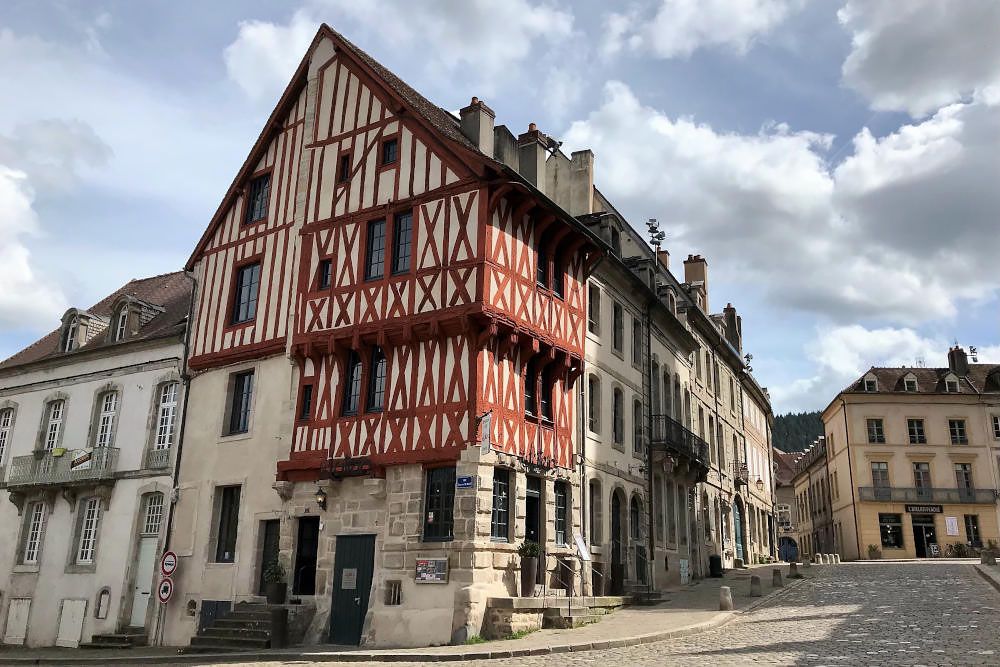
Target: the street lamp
(321, 497)
(760, 485)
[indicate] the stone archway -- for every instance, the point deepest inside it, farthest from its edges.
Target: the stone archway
(619, 540)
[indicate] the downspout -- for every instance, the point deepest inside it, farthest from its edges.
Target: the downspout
(850, 470)
(651, 559)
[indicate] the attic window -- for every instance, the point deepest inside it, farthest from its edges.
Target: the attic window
(257, 196)
(121, 324)
(909, 384)
(871, 384)
(951, 386)
(69, 340)
(390, 151)
(616, 241)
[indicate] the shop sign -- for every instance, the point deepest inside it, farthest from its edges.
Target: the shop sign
(923, 509)
(349, 579)
(351, 467)
(432, 571)
(81, 460)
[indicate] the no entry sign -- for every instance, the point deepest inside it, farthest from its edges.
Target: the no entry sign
(168, 564)
(165, 590)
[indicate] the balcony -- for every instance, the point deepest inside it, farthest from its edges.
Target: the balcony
(62, 467)
(157, 459)
(894, 494)
(671, 436)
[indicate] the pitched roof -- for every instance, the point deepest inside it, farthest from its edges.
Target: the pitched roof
(785, 463)
(981, 378)
(170, 291)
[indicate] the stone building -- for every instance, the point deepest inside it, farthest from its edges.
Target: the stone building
(89, 421)
(813, 502)
(912, 457)
(786, 511)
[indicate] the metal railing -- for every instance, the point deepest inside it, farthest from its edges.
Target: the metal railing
(62, 466)
(157, 458)
(741, 473)
(926, 495)
(670, 434)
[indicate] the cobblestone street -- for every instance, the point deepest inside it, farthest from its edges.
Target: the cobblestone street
(854, 614)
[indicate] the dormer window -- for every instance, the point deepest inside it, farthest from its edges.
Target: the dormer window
(69, 340)
(616, 241)
(951, 385)
(910, 384)
(121, 324)
(871, 384)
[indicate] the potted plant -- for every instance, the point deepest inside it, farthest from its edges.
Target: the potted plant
(274, 583)
(529, 552)
(874, 553)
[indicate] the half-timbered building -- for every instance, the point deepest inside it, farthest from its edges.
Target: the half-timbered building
(389, 331)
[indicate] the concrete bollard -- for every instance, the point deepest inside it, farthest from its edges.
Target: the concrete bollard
(807, 562)
(755, 586)
(836, 559)
(826, 559)
(725, 598)
(793, 571)
(776, 578)
(818, 559)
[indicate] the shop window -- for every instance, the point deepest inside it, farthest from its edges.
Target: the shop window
(439, 505)
(891, 529)
(500, 519)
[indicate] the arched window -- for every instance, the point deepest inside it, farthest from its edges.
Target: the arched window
(121, 323)
(53, 423)
(152, 514)
(69, 340)
(618, 415)
(594, 404)
(6, 426)
(635, 518)
(595, 511)
(108, 403)
(166, 414)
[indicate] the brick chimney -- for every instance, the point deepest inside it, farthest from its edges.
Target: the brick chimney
(958, 362)
(477, 125)
(696, 273)
(734, 327)
(531, 156)
(664, 257)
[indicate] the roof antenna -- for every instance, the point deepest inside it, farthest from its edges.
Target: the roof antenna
(919, 362)
(656, 235)
(975, 354)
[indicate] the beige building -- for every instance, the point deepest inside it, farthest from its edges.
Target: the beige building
(912, 458)
(816, 530)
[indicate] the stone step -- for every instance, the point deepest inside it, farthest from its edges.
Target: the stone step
(126, 639)
(235, 632)
(107, 645)
(226, 622)
(247, 643)
(249, 615)
(566, 622)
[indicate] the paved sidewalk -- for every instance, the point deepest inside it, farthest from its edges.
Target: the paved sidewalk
(687, 610)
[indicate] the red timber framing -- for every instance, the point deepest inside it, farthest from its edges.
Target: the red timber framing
(459, 323)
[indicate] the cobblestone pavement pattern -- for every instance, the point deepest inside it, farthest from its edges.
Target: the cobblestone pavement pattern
(854, 614)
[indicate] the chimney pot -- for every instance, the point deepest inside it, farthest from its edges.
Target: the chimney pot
(531, 156)
(477, 125)
(532, 127)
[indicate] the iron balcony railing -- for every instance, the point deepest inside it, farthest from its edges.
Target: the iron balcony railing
(898, 494)
(741, 473)
(157, 459)
(62, 466)
(671, 435)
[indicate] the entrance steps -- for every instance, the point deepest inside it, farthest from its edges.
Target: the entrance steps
(127, 638)
(246, 628)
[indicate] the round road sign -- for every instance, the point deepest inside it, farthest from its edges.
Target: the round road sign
(168, 564)
(165, 590)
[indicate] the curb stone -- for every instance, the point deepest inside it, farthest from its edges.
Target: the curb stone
(719, 620)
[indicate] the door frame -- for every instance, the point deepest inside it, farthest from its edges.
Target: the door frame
(138, 516)
(152, 585)
(295, 552)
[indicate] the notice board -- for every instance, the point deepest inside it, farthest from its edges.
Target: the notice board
(432, 571)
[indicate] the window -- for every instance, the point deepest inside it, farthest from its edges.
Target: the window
(561, 493)
(69, 335)
(697, 363)
(402, 242)
(324, 277)
(636, 341)
(245, 301)
(957, 429)
(375, 252)
(637, 427)
(996, 427)
(305, 403)
(439, 505)
(922, 475)
(594, 404)
(257, 197)
(90, 513)
(732, 396)
(239, 402)
(376, 381)
(618, 328)
(121, 324)
(618, 415)
(34, 529)
(671, 517)
(6, 421)
(541, 264)
(106, 419)
(390, 151)
(890, 527)
(909, 384)
(963, 476)
(530, 390)
(228, 503)
(616, 241)
(972, 530)
(500, 519)
(166, 414)
(915, 428)
(595, 512)
(352, 384)
(871, 384)
(344, 173)
(548, 388)
(876, 431)
(682, 513)
(594, 309)
(152, 516)
(558, 277)
(635, 518)
(53, 426)
(951, 386)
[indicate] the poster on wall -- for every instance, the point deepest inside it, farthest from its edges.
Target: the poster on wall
(951, 525)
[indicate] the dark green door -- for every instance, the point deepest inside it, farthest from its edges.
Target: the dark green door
(352, 584)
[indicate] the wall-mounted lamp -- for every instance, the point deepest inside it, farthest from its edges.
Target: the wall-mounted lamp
(321, 497)
(760, 484)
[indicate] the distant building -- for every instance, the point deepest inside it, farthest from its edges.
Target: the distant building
(912, 458)
(786, 512)
(811, 484)
(89, 421)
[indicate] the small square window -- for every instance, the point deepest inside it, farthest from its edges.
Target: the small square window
(324, 274)
(344, 172)
(910, 385)
(257, 197)
(390, 151)
(871, 385)
(951, 386)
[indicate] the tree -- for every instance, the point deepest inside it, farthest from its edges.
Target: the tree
(794, 432)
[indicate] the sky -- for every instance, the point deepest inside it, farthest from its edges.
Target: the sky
(837, 162)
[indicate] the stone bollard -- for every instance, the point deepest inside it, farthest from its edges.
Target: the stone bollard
(807, 562)
(818, 559)
(836, 559)
(793, 571)
(826, 559)
(755, 586)
(987, 558)
(725, 598)
(776, 578)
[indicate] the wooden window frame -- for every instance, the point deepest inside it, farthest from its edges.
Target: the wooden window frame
(318, 285)
(344, 178)
(348, 382)
(367, 256)
(383, 142)
(447, 482)
(234, 291)
(231, 401)
(228, 534)
(245, 220)
(561, 512)
(500, 512)
(305, 403)
(394, 235)
(375, 354)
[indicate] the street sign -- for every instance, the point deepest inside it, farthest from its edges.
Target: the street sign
(165, 590)
(168, 564)
(464, 482)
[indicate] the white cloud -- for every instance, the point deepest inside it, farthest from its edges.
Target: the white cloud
(25, 300)
(678, 28)
(919, 55)
(483, 40)
(899, 232)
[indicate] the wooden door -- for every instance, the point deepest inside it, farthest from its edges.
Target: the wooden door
(17, 621)
(352, 583)
(142, 585)
(71, 617)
